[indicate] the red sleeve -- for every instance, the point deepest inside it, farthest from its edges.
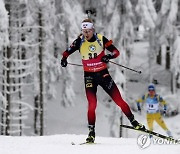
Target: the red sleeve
(65, 54)
(116, 53)
(110, 47)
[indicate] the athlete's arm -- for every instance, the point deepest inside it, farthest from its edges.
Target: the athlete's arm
(140, 100)
(108, 44)
(73, 47)
(163, 102)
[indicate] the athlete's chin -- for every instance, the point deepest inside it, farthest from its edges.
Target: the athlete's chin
(87, 38)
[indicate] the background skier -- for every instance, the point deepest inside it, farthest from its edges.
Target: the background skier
(153, 103)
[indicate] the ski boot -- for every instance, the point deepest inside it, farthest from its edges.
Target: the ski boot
(91, 135)
(136, 124)
(169, 133)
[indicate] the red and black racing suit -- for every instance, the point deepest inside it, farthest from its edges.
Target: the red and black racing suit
(94, 77)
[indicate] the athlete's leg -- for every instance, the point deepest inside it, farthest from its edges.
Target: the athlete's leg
(91, 89)
(160, 121)
(110, 87)
(150, 120)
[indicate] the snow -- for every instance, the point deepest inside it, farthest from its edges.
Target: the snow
(148, 14)
(61, 144)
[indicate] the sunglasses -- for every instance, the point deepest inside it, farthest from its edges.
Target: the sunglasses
(151, 90)
(87, 31)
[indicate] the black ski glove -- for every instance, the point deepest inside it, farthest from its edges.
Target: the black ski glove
(165, 110)
(139, 109)
(164, 113)
(64, 62)
(106, 58)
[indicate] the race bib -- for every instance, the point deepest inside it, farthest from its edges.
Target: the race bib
(152, 105)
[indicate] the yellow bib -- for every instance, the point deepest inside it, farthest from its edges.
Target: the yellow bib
(90, 50)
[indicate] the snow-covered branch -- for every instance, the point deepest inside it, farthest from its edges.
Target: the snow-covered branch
(4, 25)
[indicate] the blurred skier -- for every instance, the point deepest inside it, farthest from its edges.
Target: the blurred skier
(92, 50)
(153, 103)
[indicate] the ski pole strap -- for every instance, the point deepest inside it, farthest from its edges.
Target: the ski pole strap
(126, 67)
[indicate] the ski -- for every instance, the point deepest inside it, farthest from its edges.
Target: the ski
(151, 133)
(83, 143)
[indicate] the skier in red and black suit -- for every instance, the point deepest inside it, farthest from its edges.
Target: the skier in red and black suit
(92, 49)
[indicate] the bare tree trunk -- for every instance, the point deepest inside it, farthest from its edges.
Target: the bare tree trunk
(8, 81)
(159, 57)
(20, 98)
(168, 57)
(173, 83)
(177, 84)
(19, 71)
(2, 121)
(120, 128)
(41, 97)
(3, 93)
(21, 55)
(8, 96)
(36, 113)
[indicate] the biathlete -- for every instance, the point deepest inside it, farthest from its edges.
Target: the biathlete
(153, 102)
(92, 50)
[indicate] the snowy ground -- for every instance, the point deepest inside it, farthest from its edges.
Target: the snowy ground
(66, 125)
(61, 144)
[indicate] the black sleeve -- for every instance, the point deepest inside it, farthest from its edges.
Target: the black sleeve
(111, 48)
(74, 46)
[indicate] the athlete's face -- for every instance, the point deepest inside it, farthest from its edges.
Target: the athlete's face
(151, 92)
(88, 33)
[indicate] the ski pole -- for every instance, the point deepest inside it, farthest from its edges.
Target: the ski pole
(75, 64)
(126, 67)
(112, 63)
